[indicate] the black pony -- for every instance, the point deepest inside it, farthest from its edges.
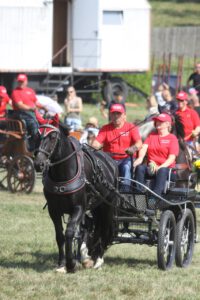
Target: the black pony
(75, 181)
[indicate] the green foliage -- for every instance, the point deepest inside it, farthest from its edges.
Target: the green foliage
(141, 81)
(175, 13)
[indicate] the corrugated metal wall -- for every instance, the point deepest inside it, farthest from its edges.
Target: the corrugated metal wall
(26, 36)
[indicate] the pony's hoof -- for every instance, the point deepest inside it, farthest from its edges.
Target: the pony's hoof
(61, 269)
(88, 263)
(99, 263)
(77, 267)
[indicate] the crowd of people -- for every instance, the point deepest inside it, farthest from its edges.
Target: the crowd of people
(118, 137)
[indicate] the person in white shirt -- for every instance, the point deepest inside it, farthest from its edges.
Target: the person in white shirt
(51, 107)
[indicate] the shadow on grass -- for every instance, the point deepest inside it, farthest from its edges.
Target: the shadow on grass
(130, 262)
(40, 262)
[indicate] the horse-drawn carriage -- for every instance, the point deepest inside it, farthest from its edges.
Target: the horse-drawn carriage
(83, 183)
(17, 173)
(168, 222)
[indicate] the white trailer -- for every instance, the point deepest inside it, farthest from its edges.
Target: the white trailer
(69, 38)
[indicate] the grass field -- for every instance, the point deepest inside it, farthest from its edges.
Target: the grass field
(168, 13)
(28, 256)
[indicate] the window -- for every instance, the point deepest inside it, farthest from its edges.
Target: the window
(112, 17)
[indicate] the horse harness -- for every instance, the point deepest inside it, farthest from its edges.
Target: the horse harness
(74, 184)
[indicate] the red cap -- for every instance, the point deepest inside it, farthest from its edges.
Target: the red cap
(163, 118)
(117, 108)
(182, 96)
(3, 91)
(22, 77)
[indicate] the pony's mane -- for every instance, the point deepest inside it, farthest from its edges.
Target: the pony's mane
(64, 128)
(178, 127)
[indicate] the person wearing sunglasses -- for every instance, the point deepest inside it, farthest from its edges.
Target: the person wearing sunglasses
(73, 107)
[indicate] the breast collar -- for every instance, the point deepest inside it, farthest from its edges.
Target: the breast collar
(74, 184)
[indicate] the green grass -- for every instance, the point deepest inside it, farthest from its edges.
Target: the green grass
(168, 14)
(28, 255)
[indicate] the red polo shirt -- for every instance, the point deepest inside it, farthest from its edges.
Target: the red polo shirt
(3, 103)
(190, 120)
(159, 148)
(116, 140)
(26, 95)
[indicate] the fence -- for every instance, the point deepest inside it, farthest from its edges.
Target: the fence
(176, 40)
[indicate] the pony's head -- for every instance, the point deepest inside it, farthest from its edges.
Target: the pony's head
(49, 141)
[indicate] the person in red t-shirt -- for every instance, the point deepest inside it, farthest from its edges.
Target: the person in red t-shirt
(25, 103)
(4, 100)
(119, 138)
(189, 117)
(162, 149)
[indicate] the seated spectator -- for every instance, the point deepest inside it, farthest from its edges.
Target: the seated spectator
(170, 105)
(90, 132)
(162, 149)
(158, 94)
(73, 108)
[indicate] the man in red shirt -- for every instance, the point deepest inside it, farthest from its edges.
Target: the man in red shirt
(24, 102)
(162, 149)
(119, 138)
(189, 117)
(4, 100)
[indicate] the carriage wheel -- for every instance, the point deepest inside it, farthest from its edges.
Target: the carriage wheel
(185, 239)
(21, 175)
(3, 179)
(166, 240)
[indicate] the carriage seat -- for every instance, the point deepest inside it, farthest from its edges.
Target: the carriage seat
(185, 181)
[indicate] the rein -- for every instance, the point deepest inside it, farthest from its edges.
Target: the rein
(49, 164)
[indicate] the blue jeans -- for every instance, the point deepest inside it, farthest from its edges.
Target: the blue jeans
(73, 123)
(160, 177)
(31, 127)
(124, 166)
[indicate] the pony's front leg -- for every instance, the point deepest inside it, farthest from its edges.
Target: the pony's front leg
(72, 227)
(60, 239)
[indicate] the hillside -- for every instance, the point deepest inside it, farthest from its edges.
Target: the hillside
(169, 13)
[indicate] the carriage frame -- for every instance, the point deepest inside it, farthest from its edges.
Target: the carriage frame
(17, 173)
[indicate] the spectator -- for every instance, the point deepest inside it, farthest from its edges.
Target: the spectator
(90, 132)
(170, 105)
(195, 78)
(117, 98)
(4, 100)
(50, 106)
(194, 100)
(73, 108)
(25, 103)
(158, 94)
